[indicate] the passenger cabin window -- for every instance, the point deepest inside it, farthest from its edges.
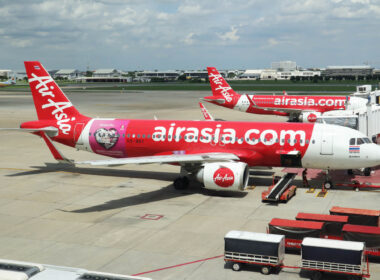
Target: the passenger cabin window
(352, 141)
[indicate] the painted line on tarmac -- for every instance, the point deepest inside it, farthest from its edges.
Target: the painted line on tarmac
(178, 265)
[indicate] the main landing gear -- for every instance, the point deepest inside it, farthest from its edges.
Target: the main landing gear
(181, 183)
(366, 171)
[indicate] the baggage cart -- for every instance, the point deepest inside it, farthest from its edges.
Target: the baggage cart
(264, 250)
(333, 256)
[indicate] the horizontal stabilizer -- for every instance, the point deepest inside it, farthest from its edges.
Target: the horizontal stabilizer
(50, 130)
(213, 99)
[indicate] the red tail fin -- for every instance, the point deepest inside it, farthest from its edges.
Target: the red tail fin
(49, 100)
(219, 86)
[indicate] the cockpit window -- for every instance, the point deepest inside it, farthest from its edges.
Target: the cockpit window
(360, 141)
(352, 141)
(366, 140)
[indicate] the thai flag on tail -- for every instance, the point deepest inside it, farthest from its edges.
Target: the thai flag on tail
(354, 149)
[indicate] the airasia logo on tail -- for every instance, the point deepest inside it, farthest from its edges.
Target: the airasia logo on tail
(312, 117)
(224, 177)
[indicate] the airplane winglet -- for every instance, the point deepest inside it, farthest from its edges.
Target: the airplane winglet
(205, 113)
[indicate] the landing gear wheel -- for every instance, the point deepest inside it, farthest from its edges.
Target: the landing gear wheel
(236, 267)
(350, 172)
(367, 171)
(317, 275)
(328, 185)
(181, 183)
(265, 270)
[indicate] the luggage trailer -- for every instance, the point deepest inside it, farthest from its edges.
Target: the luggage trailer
(295, 231)
(318, 255)
(332, 224)
(368, 234)
(356, 216)
(264, 250)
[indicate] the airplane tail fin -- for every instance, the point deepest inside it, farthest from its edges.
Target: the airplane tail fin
(221, 90)
(50, 101)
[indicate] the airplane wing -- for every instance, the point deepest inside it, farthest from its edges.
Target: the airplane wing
(174, 158)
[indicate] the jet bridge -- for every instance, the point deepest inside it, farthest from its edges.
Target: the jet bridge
(366, 120)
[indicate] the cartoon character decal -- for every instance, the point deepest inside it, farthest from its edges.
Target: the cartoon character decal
(107, 137)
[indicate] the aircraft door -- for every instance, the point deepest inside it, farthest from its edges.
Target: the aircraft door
(327, 141)
(77, 131)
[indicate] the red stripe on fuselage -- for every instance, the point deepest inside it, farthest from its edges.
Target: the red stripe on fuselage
(144, 138)
(301, 102)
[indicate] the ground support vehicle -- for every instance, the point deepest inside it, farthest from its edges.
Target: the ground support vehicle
(282, 190)
(332, 224)
(356, 216)
(264, 250)
(295, 231)
(333, 256)
(368, 234)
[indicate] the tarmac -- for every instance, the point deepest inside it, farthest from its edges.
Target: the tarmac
(130, 219)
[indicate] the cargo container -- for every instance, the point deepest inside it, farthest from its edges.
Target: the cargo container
(295, 231)
(356, 216)
(367, 234)
(336, 256)
(332, 224)
(264, 250)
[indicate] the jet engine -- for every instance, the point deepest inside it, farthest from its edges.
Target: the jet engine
(227, 176)
(309, 117)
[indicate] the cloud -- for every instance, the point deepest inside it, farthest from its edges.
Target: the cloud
(273, 42)
(230, 35)
(131, 34)
(189, 39)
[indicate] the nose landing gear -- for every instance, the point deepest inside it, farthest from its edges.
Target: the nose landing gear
(328, 184)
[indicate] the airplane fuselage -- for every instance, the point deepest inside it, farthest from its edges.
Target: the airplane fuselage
(257, 144)
(273, 104)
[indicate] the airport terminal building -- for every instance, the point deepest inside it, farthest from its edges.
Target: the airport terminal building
(348, 71)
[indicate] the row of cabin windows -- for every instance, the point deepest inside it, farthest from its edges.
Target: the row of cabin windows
(143, 136)
(359, 141)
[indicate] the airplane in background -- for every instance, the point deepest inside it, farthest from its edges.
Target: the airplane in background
(11, 81)
(216, 153)
(304, 108)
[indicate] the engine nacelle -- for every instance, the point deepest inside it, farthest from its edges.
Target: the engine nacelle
(309, 117)
(227, 176)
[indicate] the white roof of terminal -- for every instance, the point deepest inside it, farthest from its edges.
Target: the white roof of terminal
(164, 71)
(332, 243)
(66, 71)
(350, 67)
(254, 236)
(105, 71)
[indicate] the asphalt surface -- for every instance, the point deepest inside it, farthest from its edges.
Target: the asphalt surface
(129, 219)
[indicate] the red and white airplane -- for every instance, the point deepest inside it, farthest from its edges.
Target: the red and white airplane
(305, 108)
(216, 153)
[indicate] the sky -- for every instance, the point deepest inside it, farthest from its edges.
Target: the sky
(171, 34)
